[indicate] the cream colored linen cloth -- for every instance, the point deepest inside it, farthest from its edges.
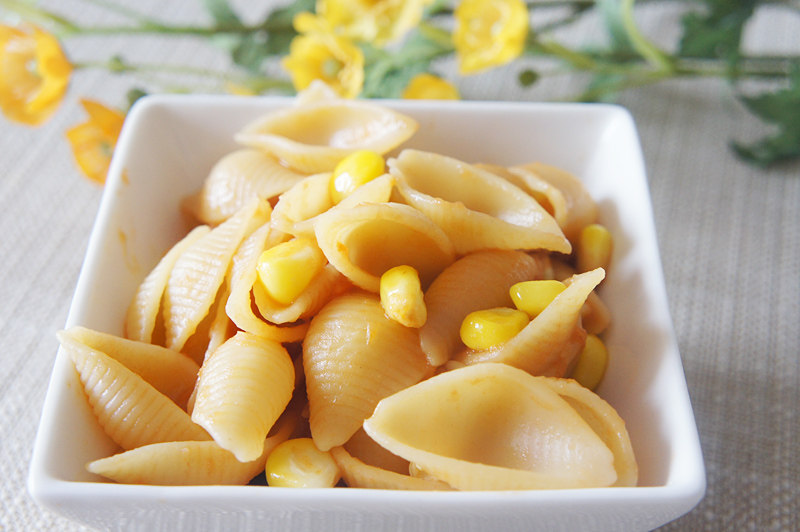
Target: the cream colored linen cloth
(729, 237)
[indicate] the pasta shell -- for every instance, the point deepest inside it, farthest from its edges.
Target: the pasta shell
(364, 241)
(324, 287)
(379, 190)
(475, 208)
(364, 448)
(144, 310)
(239, 306)
(243, 275)
(301, 203)
(357, 474)
(171, 373)
(243, 388)
(595, 315)
(353, 356)
(547, 195)
(185, 463)
(492, 427)
(549, 344)
(605, 422)
(131, 411)
(317, 91)
(177, 463)
(199, 272)
(221, 328)
(581, 208)
(235, 180)
(214, 322)
(489, 275)
(313, 138)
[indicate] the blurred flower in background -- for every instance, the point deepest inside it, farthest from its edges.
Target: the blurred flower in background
(34, 74)
(93, 141)
(376, 22)
(429, 87)
(489, 33)
(319, 54)
(421, 49)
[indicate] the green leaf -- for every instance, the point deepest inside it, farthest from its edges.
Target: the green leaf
(438, 7)
(285, 15)
(251, 51)
(386, 74)
(244, 48)
(604, 87)
(222, 13)
(612, 15)
(780, 108)
(716, 32)
(626, 36)
(133, 95)
(250, 47)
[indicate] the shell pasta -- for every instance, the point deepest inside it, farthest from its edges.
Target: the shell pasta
(270, 321)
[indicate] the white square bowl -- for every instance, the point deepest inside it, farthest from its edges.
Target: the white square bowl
(166, 149)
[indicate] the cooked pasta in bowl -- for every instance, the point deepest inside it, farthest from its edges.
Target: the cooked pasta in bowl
(316, 313)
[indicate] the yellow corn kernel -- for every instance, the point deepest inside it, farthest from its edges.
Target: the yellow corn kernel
(594, 248)
(532, 297)
(402, 297)
(592, 363)
(298, 463)
(353, 171)
(286, 269)
(483, 329)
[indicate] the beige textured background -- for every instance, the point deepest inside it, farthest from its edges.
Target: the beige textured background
(729, 236)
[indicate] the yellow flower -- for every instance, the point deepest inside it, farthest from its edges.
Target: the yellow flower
(317, 53)
(93, 141)
(34, 74)
(375, 21)
(429, 87)
(489, 33)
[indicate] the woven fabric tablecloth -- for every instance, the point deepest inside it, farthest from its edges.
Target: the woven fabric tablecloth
(729, 236)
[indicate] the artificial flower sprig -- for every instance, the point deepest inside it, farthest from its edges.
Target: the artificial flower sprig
(396, 49)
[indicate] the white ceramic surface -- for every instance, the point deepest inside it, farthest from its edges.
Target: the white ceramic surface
(166, 148)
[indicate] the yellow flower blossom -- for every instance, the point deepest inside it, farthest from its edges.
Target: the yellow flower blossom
(317, 53)
(429, 87)
(489, 33)
(93, 141)
(374, 21)
(34, 74)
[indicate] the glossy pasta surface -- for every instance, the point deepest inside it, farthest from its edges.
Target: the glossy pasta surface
(218, 367)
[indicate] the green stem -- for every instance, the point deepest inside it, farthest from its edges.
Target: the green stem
(635, 79)
(446, 10)
(576, 4)
(117, 65)
(751, 67)
(573, 16)
(578, 60)
(44, 17)
(656, 57)
(747, 67)
(123, 10)
(767, 66)
(166, 30)
(145, 25)
(441, 37)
